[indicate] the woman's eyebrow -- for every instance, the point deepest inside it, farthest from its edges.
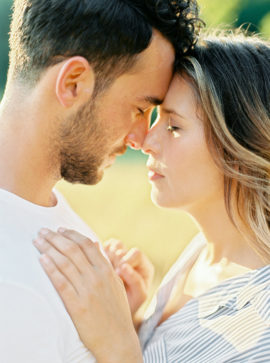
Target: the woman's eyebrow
(168, 110)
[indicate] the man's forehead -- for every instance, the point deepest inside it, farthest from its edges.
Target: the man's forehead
(159, 55)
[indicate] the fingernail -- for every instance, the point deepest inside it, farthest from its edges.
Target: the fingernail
(61, 230)
(38, 241)
(44, 231)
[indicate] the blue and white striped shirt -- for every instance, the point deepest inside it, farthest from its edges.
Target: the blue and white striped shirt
(228, 323)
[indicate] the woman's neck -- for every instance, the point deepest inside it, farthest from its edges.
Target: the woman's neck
(225, 244)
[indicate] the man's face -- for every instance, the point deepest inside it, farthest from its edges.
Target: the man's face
(102, 128)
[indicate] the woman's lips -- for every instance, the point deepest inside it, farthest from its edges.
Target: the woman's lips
(153, 175)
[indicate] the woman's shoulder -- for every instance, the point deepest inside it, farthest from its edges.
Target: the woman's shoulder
(234, 316)
(242, 297)
(257, 292)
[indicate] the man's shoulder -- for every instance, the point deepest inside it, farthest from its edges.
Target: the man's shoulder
(31, 312)
(16, 296)
(24, 297)
(36, 326)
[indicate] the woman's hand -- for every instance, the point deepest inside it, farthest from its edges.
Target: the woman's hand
(134, 268)
(93, 294)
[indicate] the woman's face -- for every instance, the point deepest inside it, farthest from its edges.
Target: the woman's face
(181, 169)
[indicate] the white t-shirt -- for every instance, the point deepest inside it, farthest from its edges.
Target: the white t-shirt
(34, 325)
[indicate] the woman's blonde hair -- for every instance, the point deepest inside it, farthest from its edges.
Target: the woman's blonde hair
(231, 74)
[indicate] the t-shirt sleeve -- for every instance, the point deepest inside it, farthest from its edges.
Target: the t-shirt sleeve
(29, 330)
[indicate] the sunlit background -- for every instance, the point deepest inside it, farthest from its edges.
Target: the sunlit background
(120, 205)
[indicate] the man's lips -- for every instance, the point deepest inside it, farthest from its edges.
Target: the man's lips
(117, 152)
(120, 151)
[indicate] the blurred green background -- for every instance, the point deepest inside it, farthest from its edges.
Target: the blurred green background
(120, 205)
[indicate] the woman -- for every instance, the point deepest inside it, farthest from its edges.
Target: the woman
(209, 155)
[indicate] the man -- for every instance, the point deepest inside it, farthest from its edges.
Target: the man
(83, 78)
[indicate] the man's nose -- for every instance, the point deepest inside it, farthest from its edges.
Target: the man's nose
(136, 136)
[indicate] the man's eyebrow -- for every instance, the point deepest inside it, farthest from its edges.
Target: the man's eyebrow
(152, 100)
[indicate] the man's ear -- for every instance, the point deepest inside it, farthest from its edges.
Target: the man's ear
(75, 81)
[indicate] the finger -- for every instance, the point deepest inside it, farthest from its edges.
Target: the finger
(119, 254)
(133, 257)
(62, 285)
(90, 249)
(135, 287)
(140, 263)
(113, 242)
(67, 247)
(112, 246)
(115, 251)
(73, 235)
(115, 256)
(131, 278)
(61, 262)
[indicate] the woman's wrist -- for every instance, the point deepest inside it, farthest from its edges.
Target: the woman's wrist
(129, 351)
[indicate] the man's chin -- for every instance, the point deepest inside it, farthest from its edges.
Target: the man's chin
(88, 177)
(99, 177)
(92, 179)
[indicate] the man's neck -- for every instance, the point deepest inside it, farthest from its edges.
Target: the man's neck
(26, 165)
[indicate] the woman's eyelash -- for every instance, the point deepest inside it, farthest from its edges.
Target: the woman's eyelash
(141, 111)
(172, 128)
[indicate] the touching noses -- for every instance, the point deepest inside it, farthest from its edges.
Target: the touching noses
(151, 143)
(136, 136)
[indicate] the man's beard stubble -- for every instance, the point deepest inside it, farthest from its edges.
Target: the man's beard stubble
(82, 146)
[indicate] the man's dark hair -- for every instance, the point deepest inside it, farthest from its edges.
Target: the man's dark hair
(108, 33)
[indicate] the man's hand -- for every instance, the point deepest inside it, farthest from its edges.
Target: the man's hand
(135, 270)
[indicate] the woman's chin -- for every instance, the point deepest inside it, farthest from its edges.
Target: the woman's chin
(160, 200)
(163, 200)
